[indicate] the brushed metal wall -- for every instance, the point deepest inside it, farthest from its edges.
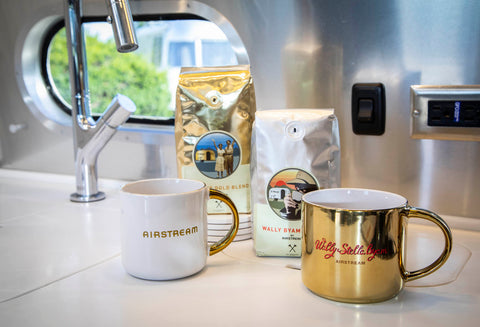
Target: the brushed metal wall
(303, 54)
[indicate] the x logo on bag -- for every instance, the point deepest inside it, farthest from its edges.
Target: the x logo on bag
(292, 248)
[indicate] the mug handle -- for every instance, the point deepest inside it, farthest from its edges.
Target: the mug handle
(412, 212)
(227, 239)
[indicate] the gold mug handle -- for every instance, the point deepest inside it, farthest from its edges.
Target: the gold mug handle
(412, 212)
(227, 239)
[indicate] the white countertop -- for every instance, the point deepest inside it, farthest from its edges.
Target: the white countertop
(60, 266)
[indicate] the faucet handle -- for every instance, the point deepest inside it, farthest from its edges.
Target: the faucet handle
(118, 111)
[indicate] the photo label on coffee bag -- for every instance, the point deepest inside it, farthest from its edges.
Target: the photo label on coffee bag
(217, 155)
(285, 190)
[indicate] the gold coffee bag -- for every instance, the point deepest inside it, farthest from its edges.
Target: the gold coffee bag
(215, 110)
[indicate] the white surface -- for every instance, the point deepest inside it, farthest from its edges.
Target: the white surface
(60, 266)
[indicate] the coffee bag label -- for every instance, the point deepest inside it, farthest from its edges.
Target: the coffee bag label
(237, 186)
(277, 224)
(275, 236)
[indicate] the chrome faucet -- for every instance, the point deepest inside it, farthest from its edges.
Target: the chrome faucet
(89, 136)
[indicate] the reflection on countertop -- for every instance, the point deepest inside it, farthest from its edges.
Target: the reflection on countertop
(60, 265)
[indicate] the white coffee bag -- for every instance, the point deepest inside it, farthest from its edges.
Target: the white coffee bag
(294, 151)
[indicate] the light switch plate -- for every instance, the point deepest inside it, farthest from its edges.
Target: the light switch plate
(368, 108)
(420, 95)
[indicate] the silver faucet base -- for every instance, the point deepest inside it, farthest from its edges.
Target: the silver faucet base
(75, 197)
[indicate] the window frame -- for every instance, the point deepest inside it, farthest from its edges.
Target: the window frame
(50, 86)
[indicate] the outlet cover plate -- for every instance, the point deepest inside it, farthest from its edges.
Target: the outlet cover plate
(420, 95)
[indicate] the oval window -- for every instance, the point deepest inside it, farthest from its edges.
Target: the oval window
(149, 75)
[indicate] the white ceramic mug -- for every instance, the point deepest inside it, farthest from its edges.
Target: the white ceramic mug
(164, 227)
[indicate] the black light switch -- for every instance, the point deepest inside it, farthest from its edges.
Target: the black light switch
(368, 108)
(365, 110)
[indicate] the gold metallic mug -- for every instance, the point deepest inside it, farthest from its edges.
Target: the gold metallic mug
(353, 244)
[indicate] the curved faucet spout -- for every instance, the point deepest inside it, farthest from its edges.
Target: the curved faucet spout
(90, 137)
(122, 24)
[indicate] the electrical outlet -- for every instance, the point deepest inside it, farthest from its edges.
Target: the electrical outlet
(454, 113)
(445, 112)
